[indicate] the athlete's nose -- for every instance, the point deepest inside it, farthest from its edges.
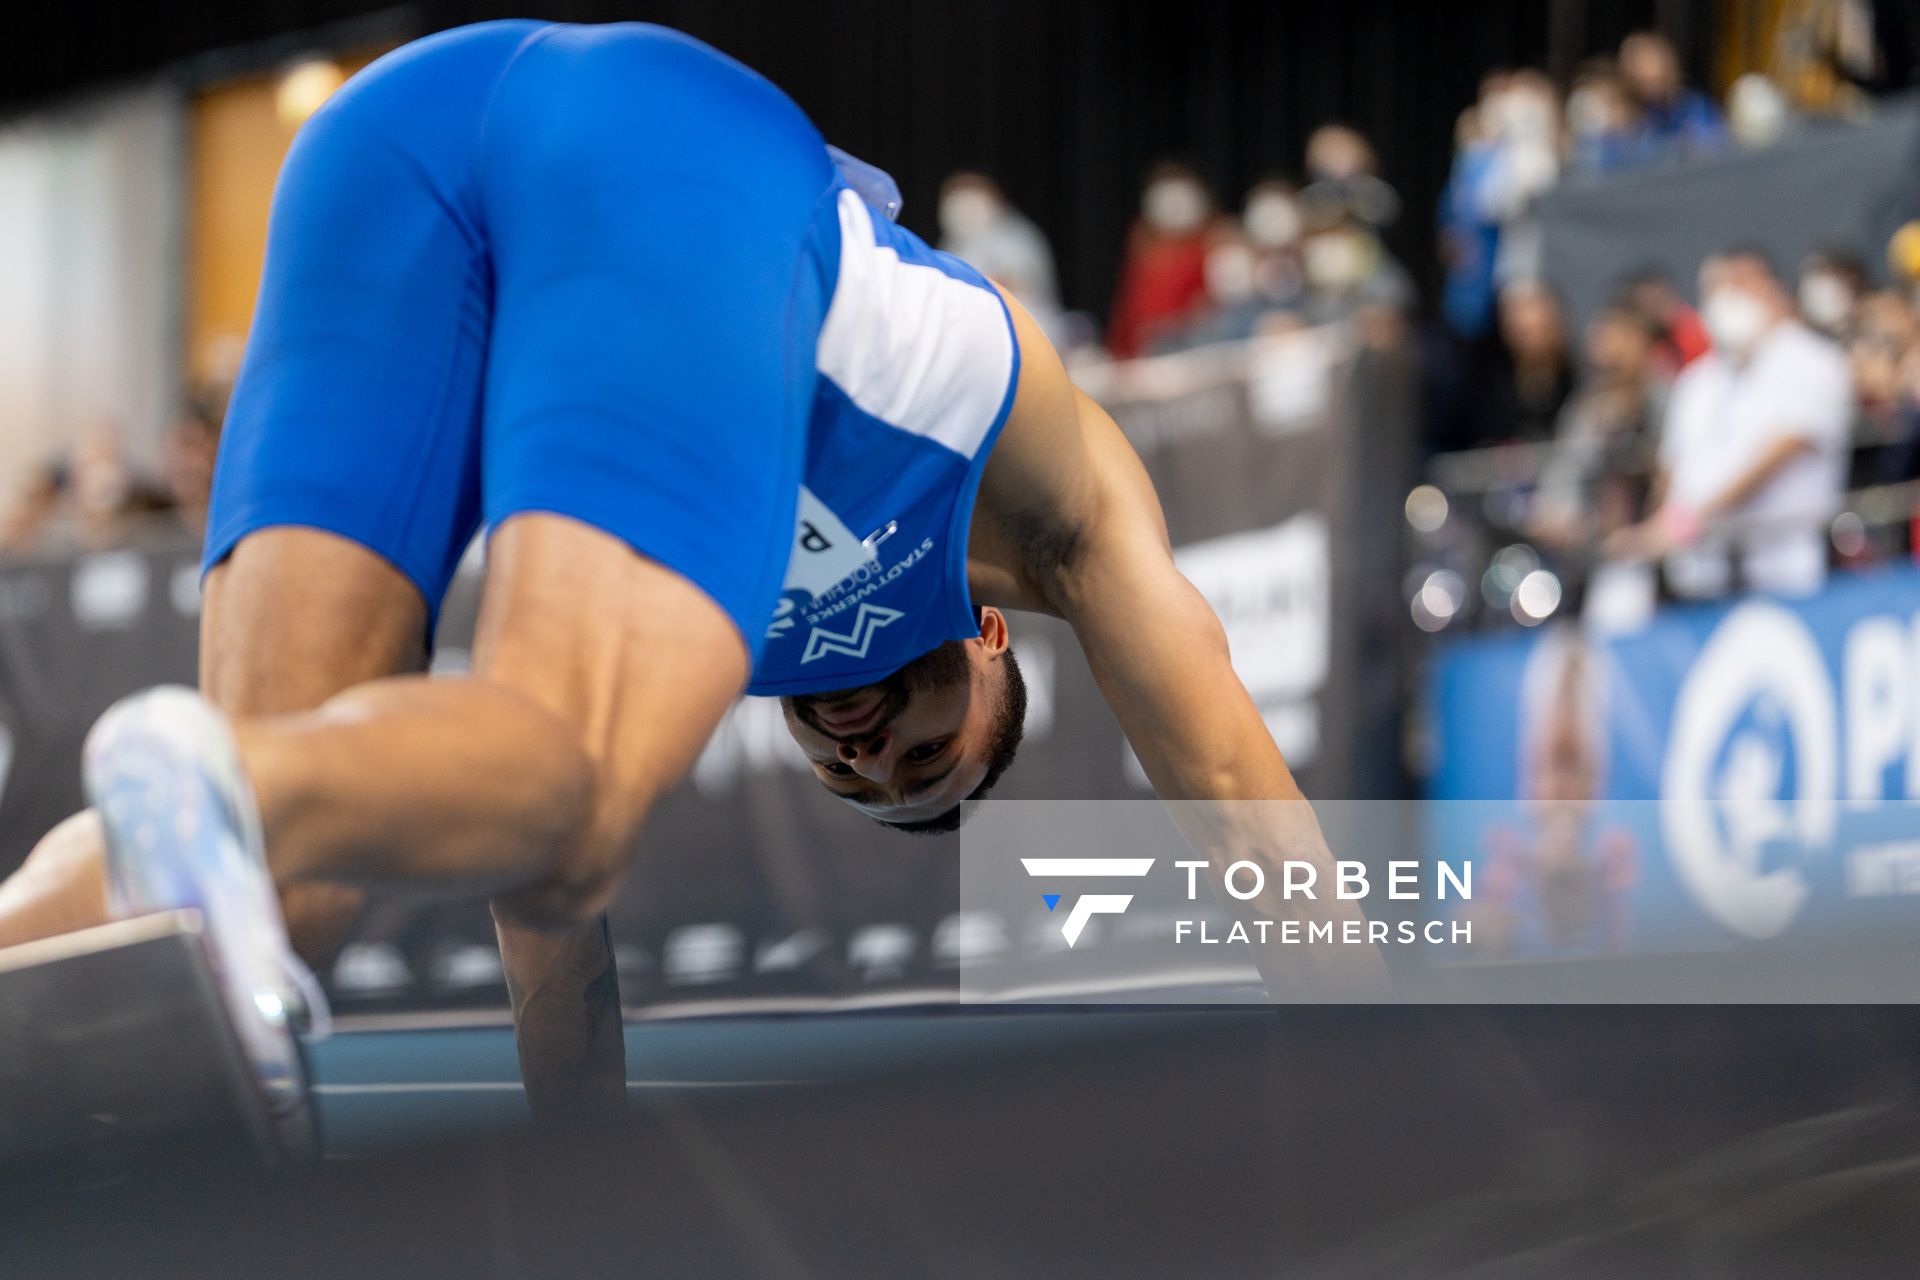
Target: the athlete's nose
(869, 757)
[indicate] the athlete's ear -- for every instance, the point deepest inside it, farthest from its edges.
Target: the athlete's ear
(993, 631)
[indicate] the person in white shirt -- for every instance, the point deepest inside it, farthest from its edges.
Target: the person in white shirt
(1753, 449)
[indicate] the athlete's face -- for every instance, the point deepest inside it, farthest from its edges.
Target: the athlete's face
(914, 745)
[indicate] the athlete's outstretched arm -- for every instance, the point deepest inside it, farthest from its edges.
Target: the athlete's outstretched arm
(1095, 551)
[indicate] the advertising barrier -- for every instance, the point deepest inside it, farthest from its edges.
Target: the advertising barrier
(1731, 777)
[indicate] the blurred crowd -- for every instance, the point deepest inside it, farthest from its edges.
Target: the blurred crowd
(1709, 429)
(1760, 392)
(99, 494)
(1294, 254)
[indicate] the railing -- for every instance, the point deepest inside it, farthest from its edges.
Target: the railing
(1476, 563)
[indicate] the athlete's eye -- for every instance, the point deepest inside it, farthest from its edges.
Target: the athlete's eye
(838, 768)
(925, 752)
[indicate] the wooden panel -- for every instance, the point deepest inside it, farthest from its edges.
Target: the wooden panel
(238, 138)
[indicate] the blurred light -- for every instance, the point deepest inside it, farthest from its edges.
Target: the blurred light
(303, 89)
(1849, 533)
(1519, 557)
(1439, 599)
(1443, 593)
(1498, 584)
(1535, 599)
(1426, 508)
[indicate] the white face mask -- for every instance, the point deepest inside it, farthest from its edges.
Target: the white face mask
(1272, 220)
(1174, 206)
(1757, 112)
(967, 213)
(1588, 114)
(1734, 321)
(1336, 261)
(1230, 274)
(1825, 301)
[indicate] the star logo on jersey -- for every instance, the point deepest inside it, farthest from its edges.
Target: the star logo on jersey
(855, 643)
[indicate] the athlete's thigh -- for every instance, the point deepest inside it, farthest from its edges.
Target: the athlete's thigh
(292, 617)
(641, 661)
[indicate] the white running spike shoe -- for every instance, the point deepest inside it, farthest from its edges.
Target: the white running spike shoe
(183, 832)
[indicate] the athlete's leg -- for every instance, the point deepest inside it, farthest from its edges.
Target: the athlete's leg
(293, 617)
(598, 675)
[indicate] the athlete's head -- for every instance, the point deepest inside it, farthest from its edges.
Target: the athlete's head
(908, 749)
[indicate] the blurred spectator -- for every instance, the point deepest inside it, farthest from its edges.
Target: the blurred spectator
(1674, 119)
(1884, 355)
(1525, 382)
(979, 225)
(1469, 235)
(1163, 276)
(101, 486)
(36, 510)
(1350, 276)
(1832, 282)
(1603, 134)
(1682, 337)
(1758, 114)
(1756, 431)
(1275, 227)
(1236, 303)
(1596, 475)
(1343, 178)
(188, 456)
(1507, 154)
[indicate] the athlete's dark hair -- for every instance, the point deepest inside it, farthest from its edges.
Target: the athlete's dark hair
(1009, 723)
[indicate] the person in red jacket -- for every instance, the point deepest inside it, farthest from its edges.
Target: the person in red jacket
(1163, 273)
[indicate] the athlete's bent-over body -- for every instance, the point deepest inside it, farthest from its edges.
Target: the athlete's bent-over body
(608, 295)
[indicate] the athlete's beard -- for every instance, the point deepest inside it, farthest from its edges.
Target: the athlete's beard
(936, 669)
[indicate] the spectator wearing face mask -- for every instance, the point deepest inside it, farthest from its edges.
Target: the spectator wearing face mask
(1758, 114)
(1832, 282)
(1163, 276)
(1675, 120)
(1276, 228)
(1234, 304)
(1508, 153)
(1756, 433)
(979, 225)
(1349, 276)
(1524, 384)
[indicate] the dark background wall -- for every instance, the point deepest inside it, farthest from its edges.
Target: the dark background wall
(1066, 101)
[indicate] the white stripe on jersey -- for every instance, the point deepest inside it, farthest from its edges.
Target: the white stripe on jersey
(911, 345)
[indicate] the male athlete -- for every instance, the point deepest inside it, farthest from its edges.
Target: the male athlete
(608, 295)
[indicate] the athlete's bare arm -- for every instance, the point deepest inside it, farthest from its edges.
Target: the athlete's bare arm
(1068, 523)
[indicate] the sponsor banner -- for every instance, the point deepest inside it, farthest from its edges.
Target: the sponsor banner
(1744, 775)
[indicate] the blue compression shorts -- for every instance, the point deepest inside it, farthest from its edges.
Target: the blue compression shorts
(527, 267)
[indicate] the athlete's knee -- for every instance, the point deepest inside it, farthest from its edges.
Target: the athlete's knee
(591, 857)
